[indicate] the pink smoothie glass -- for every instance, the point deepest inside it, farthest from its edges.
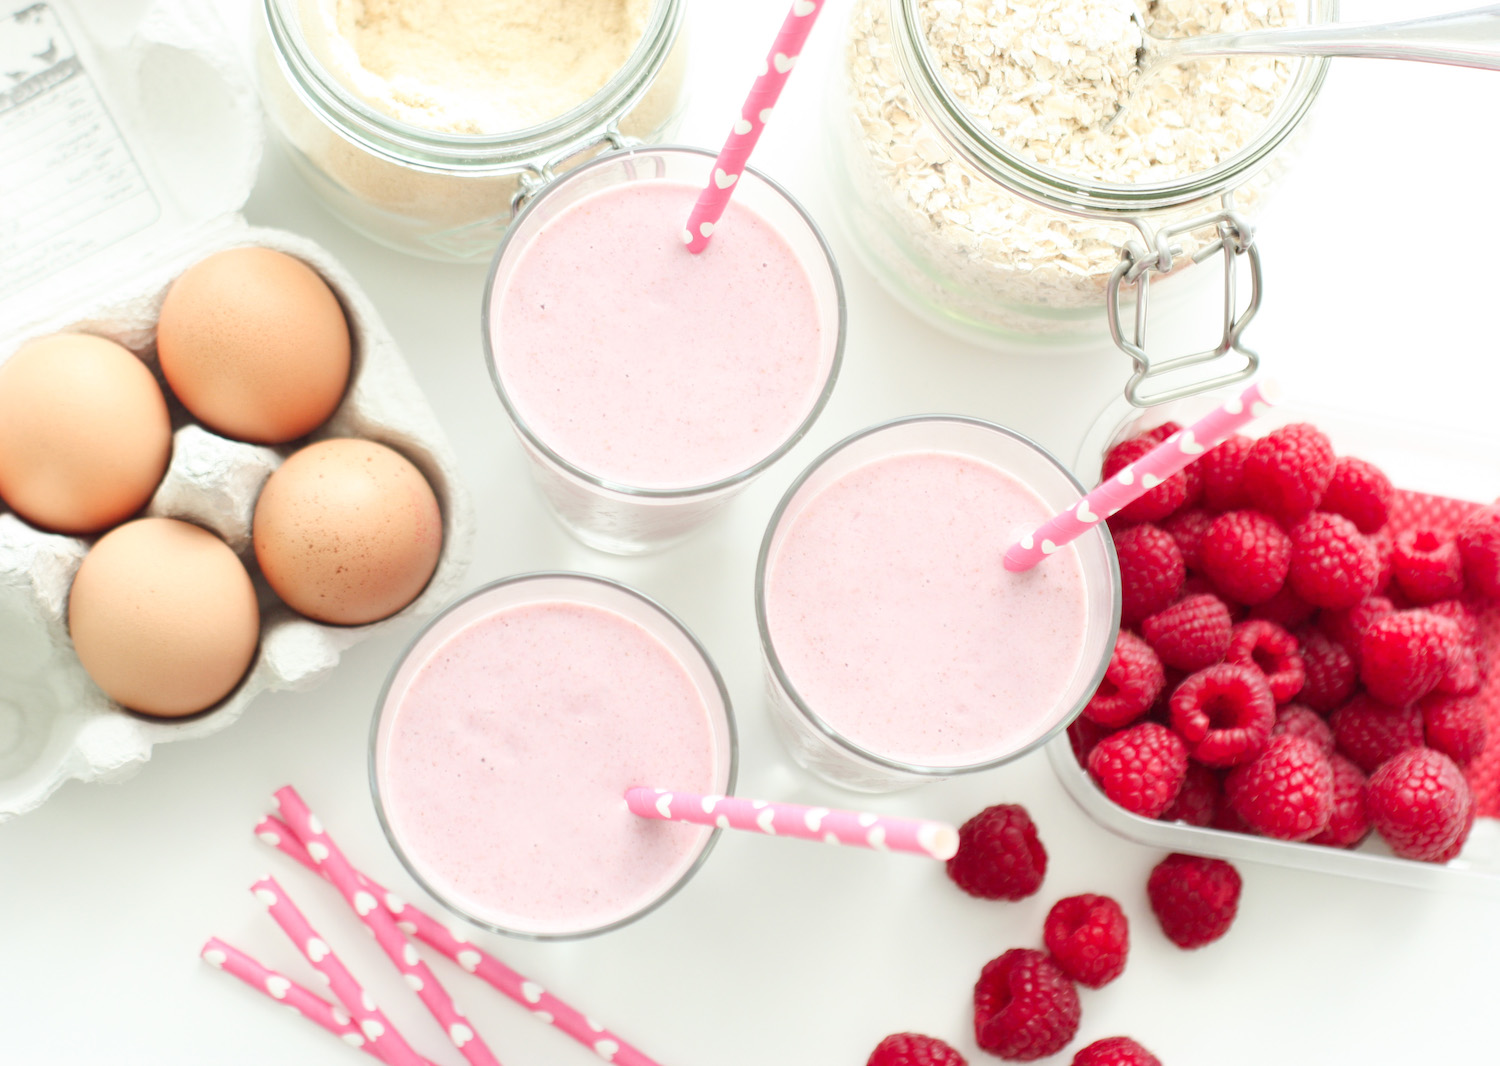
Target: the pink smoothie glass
(898, 649)
(507, 734)
(648, 385)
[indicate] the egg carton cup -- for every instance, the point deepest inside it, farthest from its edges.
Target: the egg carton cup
(55, 723)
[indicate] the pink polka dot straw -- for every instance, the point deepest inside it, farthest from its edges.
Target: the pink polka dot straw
(1143, 475)
(775, 70)
(915, 836)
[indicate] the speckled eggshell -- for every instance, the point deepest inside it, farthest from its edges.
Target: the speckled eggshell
(347, 531)
(84, 433)
(163, 616)
(255, 345)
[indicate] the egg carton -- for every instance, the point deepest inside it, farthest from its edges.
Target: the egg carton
(55, 723)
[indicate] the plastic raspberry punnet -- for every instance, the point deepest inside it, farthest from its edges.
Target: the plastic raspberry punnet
(1288, 470)
(1140, 768)
(1000, 855)
(1192, 633)
(1427, 567)
(1246, 555)
(1025, 1007)
(1089, 938)
(1132, 681)
(1420, 803)
(1479, 546)
(1224, 714)
(1333, 565)
(1286, 792)
(1194, 898)
(1115, 1051)
(1151, 571)
(914, 1049)
(1273, 651)
(1370, 732)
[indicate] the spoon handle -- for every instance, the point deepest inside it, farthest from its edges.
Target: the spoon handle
(1461, 38)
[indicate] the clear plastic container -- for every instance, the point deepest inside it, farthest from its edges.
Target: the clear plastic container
(1420, 459)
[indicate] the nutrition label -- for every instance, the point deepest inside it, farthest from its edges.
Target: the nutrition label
(68, 182)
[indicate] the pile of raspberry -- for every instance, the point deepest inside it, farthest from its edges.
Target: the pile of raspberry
(1287, 666)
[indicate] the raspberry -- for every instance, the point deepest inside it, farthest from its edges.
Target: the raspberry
(1200, 799)
(1402, 656)
(1132, 681)
(1300, 721)
(1194, 898)
(999, 854)
(1187, 528)
(1246, 555)
(1460, 615)
(1224, 714)
(1288, 470)
(1140, 768)
(1453, 725)
(1479, 546)
(1083, 734)
(1267, 647)
(1348, 626)
(1287, 792)
(1024, 1006)
(1286, 609)
(1427, 567)
(1088, 937)
(1360, 492)
(1370, 732)
(1158, 502)
(1222, 469)
(1385, 561)
(1191, 634)
(1461, 676)
(914, 1049)
(1151, 571)
(1453, 850)
(1333, 565)
(1420, 803)
(1329, 671)
(1115, 1051)
(1349, 824)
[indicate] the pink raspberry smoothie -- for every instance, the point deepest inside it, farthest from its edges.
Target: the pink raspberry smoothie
(642, 364)
(897, 624)
(503, 759)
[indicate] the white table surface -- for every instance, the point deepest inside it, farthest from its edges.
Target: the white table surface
(1381, 279)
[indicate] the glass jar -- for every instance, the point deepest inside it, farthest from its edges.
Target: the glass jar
(450, 196)
(1004, 251)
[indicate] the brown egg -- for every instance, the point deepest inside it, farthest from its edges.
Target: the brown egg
(84, 433)
(163, 617)
(347, 531)
(255, 345)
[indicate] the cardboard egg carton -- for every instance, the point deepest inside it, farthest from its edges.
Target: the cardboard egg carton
(55, 724)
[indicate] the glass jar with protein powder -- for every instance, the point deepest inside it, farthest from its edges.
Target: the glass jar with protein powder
(426, 125)
(1011, 177)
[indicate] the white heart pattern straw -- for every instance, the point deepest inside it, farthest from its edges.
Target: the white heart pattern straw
(1150, 470)
(915, 836)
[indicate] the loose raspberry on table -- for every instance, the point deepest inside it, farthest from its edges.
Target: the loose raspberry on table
(1025, 1007)
(1132, 681)
(1479, 546)
(1115, 1051)
(1192, 633)
(1194, 898)
(1349, 823)
(1088, 937)
(1200, 800)
(1187, 528)
(1161, 500)
(1286, 792)
(1333, 564)
(1224, 714)
(1329, 672)
(914, 1049)
(1222, 468)
(1273, 651)
(1370, 732)
(1286, 609)
(1420, 803)
(1288, 470)
(1151, 571)
(1301, 721)
(1359, 491)
(1454, 725)
(1348, 626)
(1427, 567)
(1246, 555)
(1000, 855)
(1140, 768)
(1404, 655)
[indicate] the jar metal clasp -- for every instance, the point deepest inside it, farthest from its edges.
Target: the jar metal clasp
(538, 176)
(1159, 253)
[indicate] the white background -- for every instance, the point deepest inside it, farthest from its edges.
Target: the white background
(1381, 295)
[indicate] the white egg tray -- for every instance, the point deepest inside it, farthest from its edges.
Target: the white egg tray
(55, 724)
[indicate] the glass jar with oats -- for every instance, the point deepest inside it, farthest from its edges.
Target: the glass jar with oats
(1006, 159)
(425, 124)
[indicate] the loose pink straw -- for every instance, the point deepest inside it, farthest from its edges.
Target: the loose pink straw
(386, 1043)
(542, 1004)
(268, 982)
(1143, 475)
(753, 115)
(332, 864)
(936, 840)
